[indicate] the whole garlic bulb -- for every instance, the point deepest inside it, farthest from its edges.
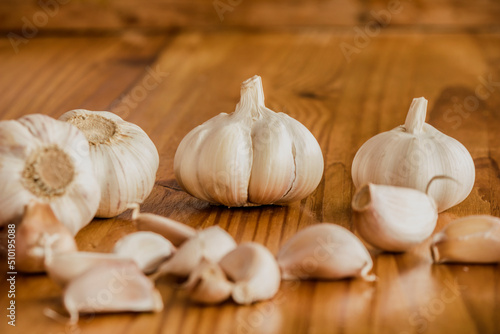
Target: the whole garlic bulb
(411, 155)
(124, 157)
(253, 156)
(46, 160)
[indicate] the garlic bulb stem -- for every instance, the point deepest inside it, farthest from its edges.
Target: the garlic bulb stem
(415, 119)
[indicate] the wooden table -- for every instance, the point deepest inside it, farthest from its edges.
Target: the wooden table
(444, 51)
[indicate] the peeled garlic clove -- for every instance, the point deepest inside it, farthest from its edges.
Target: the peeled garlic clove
(120, 287)
(324, 251)
(124, 158)
(208, 284)
(147, 249)
(65, 267)
(46, 160)
(173, 230)
(393, 218)
(411, 155)
(472, 239)
(253, 156)
(255, 272)
(210, 244)
(38, 230)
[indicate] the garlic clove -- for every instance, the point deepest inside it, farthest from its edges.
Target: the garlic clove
(105, 288)
(253, 156)
(39, 230)
(393, 218)
(124, 158)
(208, 284)
(472, 239)
(147, 249)
(172, 230)
(46, 160)
(411, 155)
(65, 267)
(324, 251)
(210, 244)
(255, 272)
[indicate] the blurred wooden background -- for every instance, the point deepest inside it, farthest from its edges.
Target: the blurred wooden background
(345, 69)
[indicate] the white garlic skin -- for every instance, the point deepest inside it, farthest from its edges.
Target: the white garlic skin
(253, 156)
(393, 218)
(471, 239)
(411, 155)
(46, 160)
(324, 251)
(124, 157)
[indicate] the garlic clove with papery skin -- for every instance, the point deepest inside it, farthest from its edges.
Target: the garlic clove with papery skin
(208, 284)
(471, 239)
(46, 160)
(62, 268)
(411, 155)
(147, 249)
(174, 231)
(125, 159)
(324, 251)
(39, 230)
(393, 218)
(255, 272)
(253, 156)
(210, 244)
(119, 287)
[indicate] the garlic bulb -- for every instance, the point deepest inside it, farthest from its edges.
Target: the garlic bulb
(147, 249)
(324, 251)
(255, 272)
(46, 160)
(253, 156)
(393, 218)
(472, 239)
(411, 155)
(40, 230)
(125, 159)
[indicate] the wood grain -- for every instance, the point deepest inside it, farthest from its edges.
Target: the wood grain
(98, 15)
(343, 103)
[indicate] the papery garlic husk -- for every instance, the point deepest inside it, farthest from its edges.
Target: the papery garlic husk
(324, 251)
(210, 244)
(411, 155)
(62, 268)
(46, 160)
(38, 230)
(120, 287)
(472, 239)
(253, 156)
(393, 218)
(208, 284)
(176, 232)
(147, 249)
(255, 272)
(125, 159)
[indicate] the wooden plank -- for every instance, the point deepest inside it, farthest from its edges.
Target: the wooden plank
(70, 15)
(343, 103)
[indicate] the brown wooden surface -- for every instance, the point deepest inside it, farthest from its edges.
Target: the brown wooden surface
(342, 102)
